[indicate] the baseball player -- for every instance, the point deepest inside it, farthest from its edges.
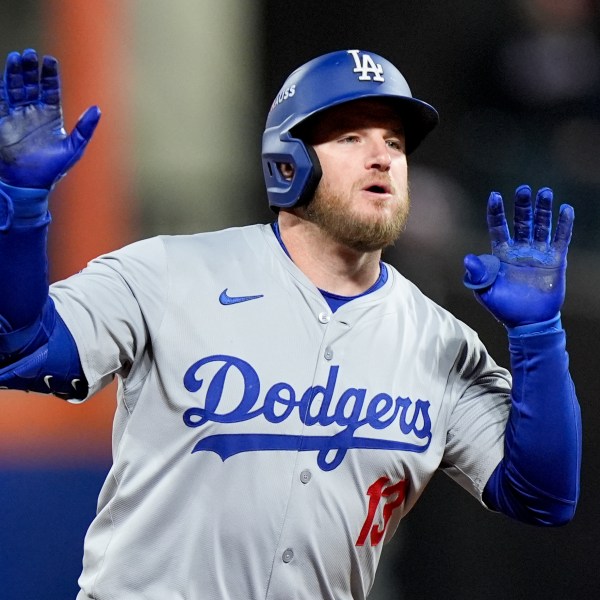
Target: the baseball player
(284, 396)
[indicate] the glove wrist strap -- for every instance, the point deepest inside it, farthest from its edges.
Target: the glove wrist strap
(554, 324)
(23, 207)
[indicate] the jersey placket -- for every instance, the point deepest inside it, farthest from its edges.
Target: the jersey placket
(298, 528)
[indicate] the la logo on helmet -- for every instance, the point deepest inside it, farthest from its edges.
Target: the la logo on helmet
(369, 70)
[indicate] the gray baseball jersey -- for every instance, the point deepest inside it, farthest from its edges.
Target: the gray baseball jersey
(263, 447)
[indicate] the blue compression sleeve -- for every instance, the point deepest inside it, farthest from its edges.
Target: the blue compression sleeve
(37, 351)
(537, 481)
(24, 220)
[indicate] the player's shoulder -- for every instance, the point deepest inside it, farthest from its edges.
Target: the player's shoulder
(164, 248)
(232, 240)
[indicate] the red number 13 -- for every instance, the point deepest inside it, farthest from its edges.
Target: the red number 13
(377, 491)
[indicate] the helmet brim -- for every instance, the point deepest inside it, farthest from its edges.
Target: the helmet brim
(418, 118)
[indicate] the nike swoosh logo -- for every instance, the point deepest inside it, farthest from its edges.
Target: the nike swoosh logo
(226, 299)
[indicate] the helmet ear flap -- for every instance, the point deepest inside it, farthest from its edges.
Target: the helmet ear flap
(287, 192)
(313, 179)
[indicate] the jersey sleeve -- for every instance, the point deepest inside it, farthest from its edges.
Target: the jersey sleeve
(479, 393)
(112, 308)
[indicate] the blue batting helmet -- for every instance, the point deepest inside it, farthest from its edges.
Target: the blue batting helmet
(327, 81)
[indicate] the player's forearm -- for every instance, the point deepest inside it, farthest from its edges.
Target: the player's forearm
(538, 479)
(37, 351)
(24, 220)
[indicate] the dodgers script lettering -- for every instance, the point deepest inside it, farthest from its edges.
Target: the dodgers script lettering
(319, 406)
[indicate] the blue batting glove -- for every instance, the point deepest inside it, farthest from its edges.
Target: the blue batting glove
(35, 149)
(523, 281)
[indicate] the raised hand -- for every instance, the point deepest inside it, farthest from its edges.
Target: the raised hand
(523, 281)
(35, 149)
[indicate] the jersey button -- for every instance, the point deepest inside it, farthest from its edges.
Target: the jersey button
(287, 555)
(328, 354)
(305, 476)
(324, 317)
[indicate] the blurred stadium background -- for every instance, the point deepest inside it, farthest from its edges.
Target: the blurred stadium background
(184, 86)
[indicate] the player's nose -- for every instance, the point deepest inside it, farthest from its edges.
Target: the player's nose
(378, 154)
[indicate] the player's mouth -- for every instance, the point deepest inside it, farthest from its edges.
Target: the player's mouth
(379, 189)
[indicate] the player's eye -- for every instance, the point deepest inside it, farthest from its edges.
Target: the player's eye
(348, 139)
(396, 144)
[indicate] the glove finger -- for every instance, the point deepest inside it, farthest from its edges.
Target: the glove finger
(50, 81)
(542, 218)
(523, 214)
(564, 228)
(80, 136)
(15, 88)
(4, 108)
(496, 219)
(31, 75)
(480, 271)
(85, 127)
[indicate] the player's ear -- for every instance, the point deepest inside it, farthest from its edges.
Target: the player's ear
(287, 170)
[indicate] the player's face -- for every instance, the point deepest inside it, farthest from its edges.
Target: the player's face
(362, 199)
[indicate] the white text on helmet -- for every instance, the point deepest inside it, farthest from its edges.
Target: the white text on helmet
(365, 65)
(284, 95)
